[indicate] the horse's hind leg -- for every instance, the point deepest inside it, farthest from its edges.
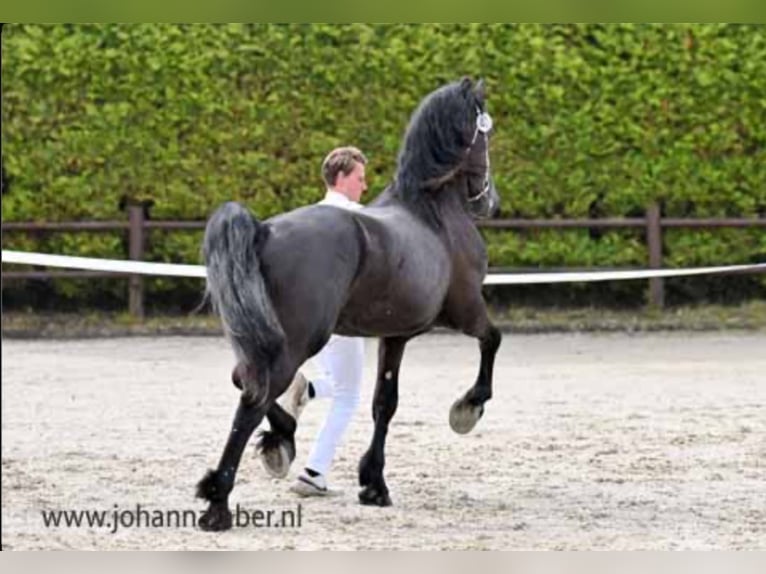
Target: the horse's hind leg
(469, 408)
(217, 484)
(275, 447)
(375, 491)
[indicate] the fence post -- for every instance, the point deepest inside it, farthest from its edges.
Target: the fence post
(654, 243)
(136, 252)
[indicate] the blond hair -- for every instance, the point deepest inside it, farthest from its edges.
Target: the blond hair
(341, 159)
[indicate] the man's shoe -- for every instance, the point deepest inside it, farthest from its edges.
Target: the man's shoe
(306, 485)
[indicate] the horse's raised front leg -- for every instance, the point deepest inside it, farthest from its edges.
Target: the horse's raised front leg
(469, 408)
(375, 491)
(217, 484)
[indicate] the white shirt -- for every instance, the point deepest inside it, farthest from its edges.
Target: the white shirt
(337, 199)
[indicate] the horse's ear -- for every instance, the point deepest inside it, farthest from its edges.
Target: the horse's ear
(466, 84)
(480, 90)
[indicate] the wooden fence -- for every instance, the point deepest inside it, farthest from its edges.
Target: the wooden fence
(137, 226)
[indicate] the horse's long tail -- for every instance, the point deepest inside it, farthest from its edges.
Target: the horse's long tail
(236, 288)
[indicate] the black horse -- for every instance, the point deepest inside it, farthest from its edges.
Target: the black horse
(411, 260)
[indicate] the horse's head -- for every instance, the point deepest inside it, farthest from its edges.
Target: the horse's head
(447, 142)
(481, 195)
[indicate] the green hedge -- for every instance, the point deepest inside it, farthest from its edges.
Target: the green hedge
(591, 120)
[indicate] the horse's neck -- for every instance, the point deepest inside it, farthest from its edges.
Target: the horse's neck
(458, 229)
(455, 226)
(451, 209)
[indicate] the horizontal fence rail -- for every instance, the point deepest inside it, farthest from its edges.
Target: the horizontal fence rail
(618, 222)
(137, 224)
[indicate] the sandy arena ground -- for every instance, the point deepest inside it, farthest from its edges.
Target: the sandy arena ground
(590, 442)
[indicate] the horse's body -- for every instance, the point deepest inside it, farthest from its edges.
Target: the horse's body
(411, 260)
(377, 260)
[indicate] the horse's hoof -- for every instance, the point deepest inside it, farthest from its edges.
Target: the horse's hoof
(371, 496)
(463, 416)
(276, 460)
(276, 453)
(216, 519)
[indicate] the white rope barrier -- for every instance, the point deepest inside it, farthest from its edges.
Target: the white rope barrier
(578, 276)
(110, 265)
(180, 270)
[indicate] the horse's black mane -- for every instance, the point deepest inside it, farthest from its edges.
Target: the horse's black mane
(436, 140)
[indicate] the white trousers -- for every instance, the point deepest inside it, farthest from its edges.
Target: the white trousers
(340, 364)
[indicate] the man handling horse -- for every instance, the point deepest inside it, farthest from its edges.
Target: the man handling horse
(340, 361)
